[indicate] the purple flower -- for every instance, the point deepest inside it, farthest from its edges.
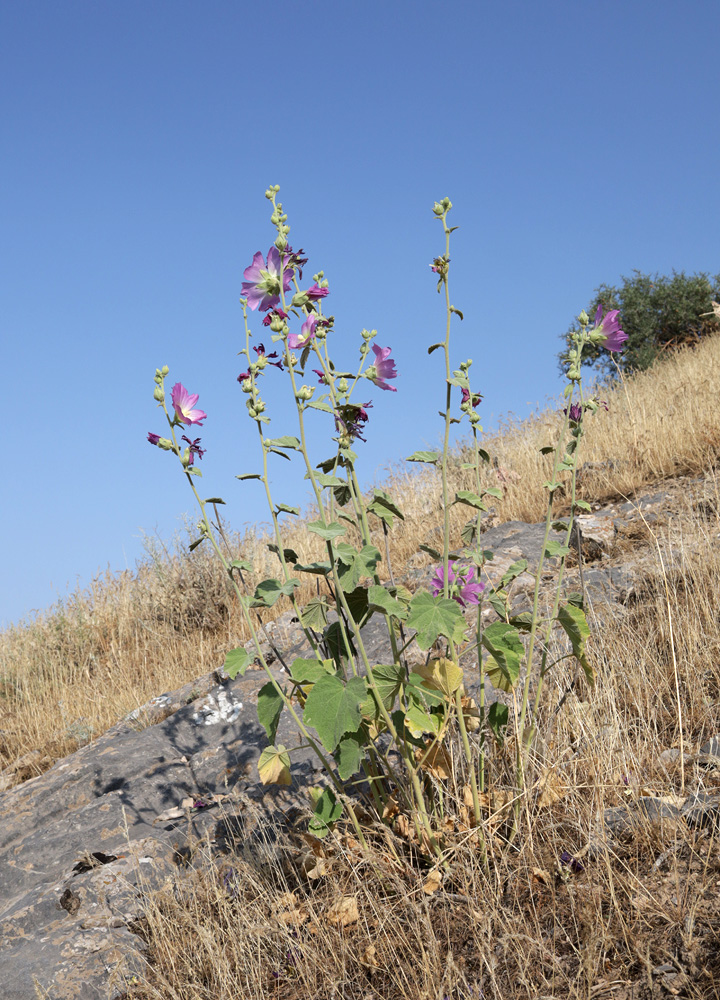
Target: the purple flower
(183, 402)
(384, 368)
(464, 587)
(575, 412)
(243, 376)
(295, 260)
(260, 351)
(568, 860)
(307, 332)
(476, 398)
(261, 287)
(276, 313)
(316, 292)
(321, 376)
(350, 418)
(153, 438)
(194, 449)
(613, 337)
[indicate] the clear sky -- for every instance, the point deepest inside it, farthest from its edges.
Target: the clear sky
(577, 141)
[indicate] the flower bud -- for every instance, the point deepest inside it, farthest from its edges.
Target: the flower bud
(165, 444)
(281, 242)
(438, 209)
(159, 394)
(185, 458)
(299, 299)
(371, 372)
(246, 385)
(342, 386)
(305, 392)
(164, 371)
(583, 318)
(269, 194)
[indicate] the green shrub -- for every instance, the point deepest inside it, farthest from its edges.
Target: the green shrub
(658, 313)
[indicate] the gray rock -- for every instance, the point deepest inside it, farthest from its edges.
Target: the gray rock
(702, 809)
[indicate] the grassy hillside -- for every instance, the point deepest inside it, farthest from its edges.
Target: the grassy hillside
(527, 924)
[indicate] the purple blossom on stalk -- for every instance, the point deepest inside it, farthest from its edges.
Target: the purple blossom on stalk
(316, 292)
(350, 418)
(276, 312)
(194, 449)
(261, 286)
(243, 376)
(307, 332)
(153, 438)
(463, 585)
(476, 397)
(384, 368)
(613, 337)
(183, 403)
(575, 412)
(260, 351)
(321, 376)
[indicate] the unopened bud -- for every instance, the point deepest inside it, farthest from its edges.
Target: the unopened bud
(342, 386)
(583, 318)
(299, 299)
(159, 394)
(305, 392)
(281, 242)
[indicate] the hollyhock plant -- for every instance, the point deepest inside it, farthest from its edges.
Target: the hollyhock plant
(612, 337)
(183, 403)
(383, 368)
(463, 585)
(307, 332)
(261, 286)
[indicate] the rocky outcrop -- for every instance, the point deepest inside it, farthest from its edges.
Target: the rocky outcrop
(176, 780)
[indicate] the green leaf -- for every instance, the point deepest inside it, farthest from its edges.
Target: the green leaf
(283, 508)
(419, 693)
(304, 671)
(433, 617)
(290, 555)
(335, 643)
(214, 500)
(554, 548)
(349, 755)
(424, 456)
(379, 598)
(577, 629)
(470, 499)
(498, 715)
(328, 532)
(269, 591)
(275, 451)
(383, 507)
(434, 347)
(433, 553)
(342, 495)
(493, 491)
(353, 565)
(269, 709)
(242, 564)
(236, 662)
(514, 571)
(198, 541)
(469, 532)
(583, 505)
(498, 601)
(419, 721)
(567, 391)
(523, 621)
(315, 404)
(315, 613)
(326, 479)
(388, 681)
(319, 568)
(327, 812)
(548, 449)
(560, 526)
(274, 766)
(193, 470)
(333, 708)
(506, 650)
(249, 475)
(288, 441)
(457, 312)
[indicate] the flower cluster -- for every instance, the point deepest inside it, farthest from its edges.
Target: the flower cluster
(463, 585)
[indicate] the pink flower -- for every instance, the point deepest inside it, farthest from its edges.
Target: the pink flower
(613, 337)
(307, 332)
(476, 397)
(575, 412)
(384, 368)
(316, 292)
(183, 402)
(153, 438)
(464, 586)
(277, 313)
(261, 287)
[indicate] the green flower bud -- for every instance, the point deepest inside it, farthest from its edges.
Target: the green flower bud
(164, 371)
(342, 386)
(165, 444)
(246, 386)
(281, 242)
(305, 392)
(299, 299)
(185, 458)
(438, 209)
(276, 324)
(159, 394)
(269, 194)
(583, 318)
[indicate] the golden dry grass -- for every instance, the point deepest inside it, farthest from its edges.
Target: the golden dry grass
(524, 926)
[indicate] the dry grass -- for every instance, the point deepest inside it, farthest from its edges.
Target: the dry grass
(379, 925)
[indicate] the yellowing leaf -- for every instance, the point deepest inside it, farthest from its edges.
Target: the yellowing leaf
(369, 957)
(441, 675)
(344, 912)
(497, 677)
(436, 760)
(274, 766)
(551, 790)
(471, 714)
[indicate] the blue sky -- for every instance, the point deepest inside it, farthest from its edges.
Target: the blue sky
(577, 141)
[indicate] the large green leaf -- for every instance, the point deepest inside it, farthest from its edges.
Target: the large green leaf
(575, 624)
(333, 708)
(470, 499)
(354, 565)
(315, 613)
(327, 812)
(326, 531)
(236, 662)
(506, 651)
(378, 597)
(269, 591)
(417, 721)
(383, 507)
(513, 571)
(283, 442)
(424, 456)
(554, 548)
(349, 755)
(308, 671)
(388, 679)
(269, 709)
(433, 617)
